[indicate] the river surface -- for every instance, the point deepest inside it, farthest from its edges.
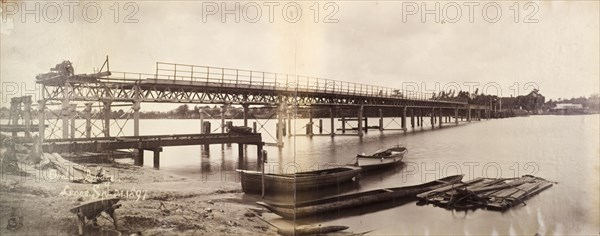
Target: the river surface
(558, 148)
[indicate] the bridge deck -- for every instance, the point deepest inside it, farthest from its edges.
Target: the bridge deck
(145, 142)
(201, 84)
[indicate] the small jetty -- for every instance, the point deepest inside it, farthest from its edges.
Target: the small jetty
(486, 193)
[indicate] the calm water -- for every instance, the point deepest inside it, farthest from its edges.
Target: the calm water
(559, 148)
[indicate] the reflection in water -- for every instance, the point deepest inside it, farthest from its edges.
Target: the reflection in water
(558, 148)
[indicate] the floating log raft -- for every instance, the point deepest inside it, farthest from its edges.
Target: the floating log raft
(492, 194)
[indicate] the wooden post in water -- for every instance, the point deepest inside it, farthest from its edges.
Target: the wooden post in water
(206, 129)
(263, 161)
(343, 125)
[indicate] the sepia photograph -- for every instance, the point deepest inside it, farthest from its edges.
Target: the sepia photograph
(185, 117)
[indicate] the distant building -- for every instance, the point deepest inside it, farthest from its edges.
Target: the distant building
(568, 108)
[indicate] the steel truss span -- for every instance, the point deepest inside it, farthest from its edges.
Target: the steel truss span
(179, 83)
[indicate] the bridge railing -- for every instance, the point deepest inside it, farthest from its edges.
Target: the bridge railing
(238, 78)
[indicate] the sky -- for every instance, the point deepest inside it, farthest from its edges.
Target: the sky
(551, 45)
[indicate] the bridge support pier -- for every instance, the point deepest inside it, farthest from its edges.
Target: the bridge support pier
(432, 118)
(418, 117)
(241, 151)
(223, 119)
(136, 118)
(107, 114)
(280, 125)
(259, 154)
(360, 120)
(27, 115)
(87, 114)
(343, 125)
(41, 119)
(245, 114)
(288, 130)
(421, 117)
(456, 116)
(309, 126)
(332, 122)
(469, 115)
(64, 112)
(412, 118)
(441, 117)
(380, 119)
(366, 124)
(320, 126)
(201, 120)
(139, 160)
(157, 157)
(72, 110)
(404, 119)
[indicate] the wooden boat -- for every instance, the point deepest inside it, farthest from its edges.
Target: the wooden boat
(308, 208)
(381, 159)
(252, 180)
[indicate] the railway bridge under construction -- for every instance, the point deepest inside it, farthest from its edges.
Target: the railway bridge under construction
(75, 110)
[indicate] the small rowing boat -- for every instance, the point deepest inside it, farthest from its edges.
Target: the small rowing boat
(381, 159)
(309, 208)
(252, 180)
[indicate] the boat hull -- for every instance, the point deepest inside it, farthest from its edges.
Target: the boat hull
(252, 180)
(310, 208)
(371, 163)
